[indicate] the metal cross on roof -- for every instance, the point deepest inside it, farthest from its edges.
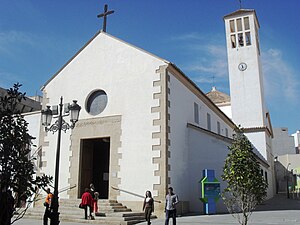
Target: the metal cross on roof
(104, 15)
(240, 3)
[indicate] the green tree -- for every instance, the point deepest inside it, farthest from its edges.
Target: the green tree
(17, 173)
(246, 187)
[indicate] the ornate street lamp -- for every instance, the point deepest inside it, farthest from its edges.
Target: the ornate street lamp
(59, 125)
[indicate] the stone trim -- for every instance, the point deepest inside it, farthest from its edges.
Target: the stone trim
(258, 129)
(162, 159)
(109, 126)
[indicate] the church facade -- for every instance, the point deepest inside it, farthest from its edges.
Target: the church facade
(144, 125)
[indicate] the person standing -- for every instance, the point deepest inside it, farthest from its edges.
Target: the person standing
(87, 203)
(95, 205)
(170, 207)
(95, 196)
(47, 205)
(148, 206)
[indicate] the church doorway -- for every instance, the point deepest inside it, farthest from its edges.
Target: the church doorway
(94, 165)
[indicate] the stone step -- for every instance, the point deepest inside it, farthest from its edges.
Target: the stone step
(102, 220)
(110, 212)
(76, 202)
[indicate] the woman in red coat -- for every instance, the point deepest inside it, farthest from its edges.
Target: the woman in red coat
(87, 203)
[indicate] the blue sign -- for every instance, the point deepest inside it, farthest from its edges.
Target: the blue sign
(210, 191)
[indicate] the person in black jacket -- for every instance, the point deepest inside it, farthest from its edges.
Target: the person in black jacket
(148, 206)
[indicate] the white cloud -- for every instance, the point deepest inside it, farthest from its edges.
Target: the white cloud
(9, 40)
(14, 37)
(206, 57)
(189, 36)
(210, 61)
(280, 79)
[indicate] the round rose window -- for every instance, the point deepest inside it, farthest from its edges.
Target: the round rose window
(96, 102)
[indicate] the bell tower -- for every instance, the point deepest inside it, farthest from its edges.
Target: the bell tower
(246, 84)
(246, 78)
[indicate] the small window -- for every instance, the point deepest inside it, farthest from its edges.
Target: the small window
(40, 159)
(246, 23)
(219, 127)
(196, 113)
(239, 24)
(226, 132)
(232, 27)
(248, 38)
(208, 122)
(241, 39)
(262, 172)
(266, 176)
(233, 41)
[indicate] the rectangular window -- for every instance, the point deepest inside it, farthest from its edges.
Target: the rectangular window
(208, 122)
(219, 127)
(39, 158)
(266, 176)
(232, 27)
(241, 39)
(226, 132)
(248, 38)
(246, 23)
(239, 24)
(233, 41)
(196, 113)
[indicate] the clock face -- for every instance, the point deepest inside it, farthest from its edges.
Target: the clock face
(242, 66)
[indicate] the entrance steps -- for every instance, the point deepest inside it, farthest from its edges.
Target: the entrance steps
(110, 212)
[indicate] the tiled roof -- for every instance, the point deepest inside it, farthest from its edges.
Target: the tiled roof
(218, 97)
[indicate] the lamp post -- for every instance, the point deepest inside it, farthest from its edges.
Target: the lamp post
(287, 180)
(59, 125)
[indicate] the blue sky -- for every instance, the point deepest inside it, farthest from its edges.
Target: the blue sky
(38, 37)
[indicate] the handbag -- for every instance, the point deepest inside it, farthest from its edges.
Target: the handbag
(81, 206)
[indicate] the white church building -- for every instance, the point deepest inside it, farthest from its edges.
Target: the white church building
(144, 125)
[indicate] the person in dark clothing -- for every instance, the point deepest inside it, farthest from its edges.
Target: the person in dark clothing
(148, 206)
(47, 205)
(170, 207)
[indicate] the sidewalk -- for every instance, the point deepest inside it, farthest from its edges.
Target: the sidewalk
(276, 211)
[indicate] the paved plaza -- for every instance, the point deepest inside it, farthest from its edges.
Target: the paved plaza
(277, 211)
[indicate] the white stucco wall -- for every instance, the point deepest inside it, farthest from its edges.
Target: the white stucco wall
(258, 139)
(282, 142)
(181, 112)
(296, 138)
(227, 110)
(33, 119)
(205, 152)
(126, 75)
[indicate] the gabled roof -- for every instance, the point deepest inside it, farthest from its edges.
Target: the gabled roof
(89, 41)
(241, 12)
